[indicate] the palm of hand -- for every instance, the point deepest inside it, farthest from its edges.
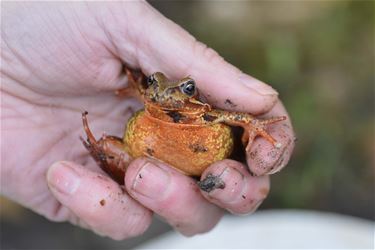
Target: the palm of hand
(56, 94)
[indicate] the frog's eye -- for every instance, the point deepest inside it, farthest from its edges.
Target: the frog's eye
(151, 80)
(188, 88)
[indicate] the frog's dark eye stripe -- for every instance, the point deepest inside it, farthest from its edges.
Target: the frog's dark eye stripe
(151, 80)
(188, 88)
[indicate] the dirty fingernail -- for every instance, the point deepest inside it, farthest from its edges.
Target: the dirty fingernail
(63, 178)
(256, 85)
(278, 166)
(256, 206)
(151, 181)
(232, 185)
(281, 161)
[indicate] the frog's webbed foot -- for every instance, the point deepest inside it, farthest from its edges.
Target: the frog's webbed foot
(257, 127)
(135, 86)
(108, 152)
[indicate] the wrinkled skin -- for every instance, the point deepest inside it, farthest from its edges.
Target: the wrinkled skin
(59, 59)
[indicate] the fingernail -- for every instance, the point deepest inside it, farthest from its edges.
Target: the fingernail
(234, 183)
(256, 85)
(151, 181)
(256, 206)
(63, 178)
(281, 162)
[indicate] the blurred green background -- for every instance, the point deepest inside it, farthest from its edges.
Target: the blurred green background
(319, 55)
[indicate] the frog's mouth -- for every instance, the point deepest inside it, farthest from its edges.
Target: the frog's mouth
(166, 104)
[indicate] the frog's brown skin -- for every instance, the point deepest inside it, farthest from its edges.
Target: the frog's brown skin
(174, 127)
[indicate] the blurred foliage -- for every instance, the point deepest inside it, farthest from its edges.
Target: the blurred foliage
(319, 55)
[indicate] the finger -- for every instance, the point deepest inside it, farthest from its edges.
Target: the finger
(172, 195)
(157, 44)
(264, 158)
(97, 201)
(229, 185)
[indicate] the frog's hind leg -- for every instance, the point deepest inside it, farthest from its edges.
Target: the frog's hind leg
(258, 128)
(108, 152)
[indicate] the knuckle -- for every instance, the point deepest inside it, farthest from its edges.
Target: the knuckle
(139, 224)
(92, 214)
(135, 224)
(119, 236)
(199, 223)
(59, 213)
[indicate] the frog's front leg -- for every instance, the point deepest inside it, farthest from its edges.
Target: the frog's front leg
(135, 86)
(252, 126)
(108, 152)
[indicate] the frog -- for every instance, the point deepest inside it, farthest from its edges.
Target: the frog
(176, 126)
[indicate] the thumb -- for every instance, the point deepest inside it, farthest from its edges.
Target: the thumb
(96, 201)
(155, 43)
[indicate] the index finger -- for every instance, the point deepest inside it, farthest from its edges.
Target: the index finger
(178, 54)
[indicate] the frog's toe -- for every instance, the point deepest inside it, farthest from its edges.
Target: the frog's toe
(258, 128)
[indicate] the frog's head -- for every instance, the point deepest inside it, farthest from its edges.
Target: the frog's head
(171, 95)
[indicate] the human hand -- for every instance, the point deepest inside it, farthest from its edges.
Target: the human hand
(59, 59)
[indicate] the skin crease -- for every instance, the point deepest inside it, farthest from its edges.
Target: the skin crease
(59, 59)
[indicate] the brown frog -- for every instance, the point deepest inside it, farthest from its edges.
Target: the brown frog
(175, 127)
